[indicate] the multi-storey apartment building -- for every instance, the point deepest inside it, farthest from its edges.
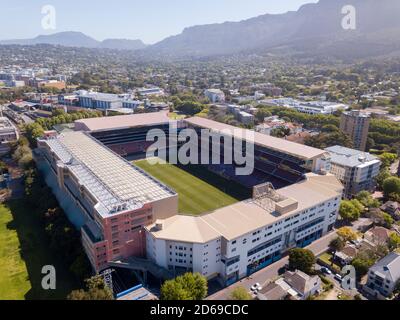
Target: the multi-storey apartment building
(108, 198)
(356, 125)
(355, 169)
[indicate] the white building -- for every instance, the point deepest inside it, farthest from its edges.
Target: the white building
(234, 242)
(245, 117)
(215, 95)
(357, 170)
(309, 107)
(384, 276)
(8, 132)
(153, 91)
(131, 104)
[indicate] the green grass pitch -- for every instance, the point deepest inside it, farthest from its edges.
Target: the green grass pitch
(199, 191)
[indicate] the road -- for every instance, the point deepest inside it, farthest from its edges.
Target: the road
(267, 274)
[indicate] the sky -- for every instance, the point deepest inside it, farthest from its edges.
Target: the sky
(148, 20)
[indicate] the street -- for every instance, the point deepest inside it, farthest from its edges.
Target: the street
(267, 274)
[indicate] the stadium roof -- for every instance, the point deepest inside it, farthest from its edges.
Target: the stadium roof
(116, 184)
(122, 122)
(247, 216)
(281, 145)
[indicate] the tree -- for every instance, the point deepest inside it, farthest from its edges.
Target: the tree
(240, 293)
(280, 132)
(361, 265)
(301, 259)
(261, 114)
(186, 287)
(347, 234)
(349, 211)
(190, 107)
(387, 159)
(366, 199)
(34, 131)
(394, 241)
(391, 186)
(382, 176)
(329, 139)
(96, 289)
(337, 245)
(388, 220)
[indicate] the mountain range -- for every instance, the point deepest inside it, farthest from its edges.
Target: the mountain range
(79, 39)
(315, 29)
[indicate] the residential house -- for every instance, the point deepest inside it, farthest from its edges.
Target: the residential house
(392, 208)
(384, 276)
(303, 284)
(377, 235)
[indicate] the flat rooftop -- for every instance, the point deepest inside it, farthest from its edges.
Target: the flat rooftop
(115, 183)
(122, 122)
(247, 216)
(5, 123)
(280, 145)
(350, 157)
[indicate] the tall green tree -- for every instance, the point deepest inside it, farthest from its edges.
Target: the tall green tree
(96, 289)
(391, 187)
(240, 293)
(301, 259)
(186, 287)
(349, 211)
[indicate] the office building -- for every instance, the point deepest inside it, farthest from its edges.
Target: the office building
(355, 169)
(356, 125)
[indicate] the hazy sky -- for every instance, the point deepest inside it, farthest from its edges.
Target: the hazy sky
(149, 20)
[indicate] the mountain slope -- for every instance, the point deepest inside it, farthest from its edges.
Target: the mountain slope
(79, 39)
(314, 28)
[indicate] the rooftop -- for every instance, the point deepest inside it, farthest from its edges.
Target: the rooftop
(247, 216)
(121, 122)
(115, 183)
(388, 267)
(350, 157)
(5, 123)
(281, 145)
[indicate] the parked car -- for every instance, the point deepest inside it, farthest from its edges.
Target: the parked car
(326, 270)
(256, 287)
(338, 277)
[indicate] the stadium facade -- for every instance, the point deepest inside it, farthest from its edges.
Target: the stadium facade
(123, 212)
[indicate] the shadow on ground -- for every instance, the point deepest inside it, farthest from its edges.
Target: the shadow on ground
(36, 253)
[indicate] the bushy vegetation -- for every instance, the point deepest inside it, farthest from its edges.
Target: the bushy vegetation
(186, 287)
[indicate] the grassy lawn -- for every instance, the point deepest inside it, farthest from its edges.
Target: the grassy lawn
(327, 259)
(14, 279)
(199, 191)
(24, 250)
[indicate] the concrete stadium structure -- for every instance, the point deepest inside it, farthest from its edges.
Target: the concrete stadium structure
(124, 213)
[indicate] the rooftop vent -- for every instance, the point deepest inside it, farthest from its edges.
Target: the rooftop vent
(159, 225)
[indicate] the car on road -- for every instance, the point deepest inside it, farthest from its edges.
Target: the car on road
(256, 287)
(338, 277)
(326, 270)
